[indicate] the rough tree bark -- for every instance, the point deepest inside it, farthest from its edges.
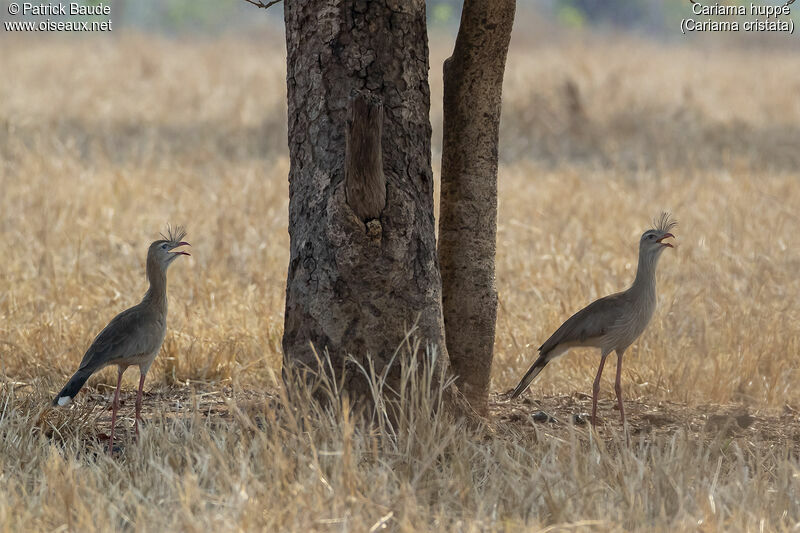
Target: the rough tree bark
(363, 265)
(473, 79)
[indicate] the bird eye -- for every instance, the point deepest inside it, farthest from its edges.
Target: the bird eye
(650, 236)
(164, 246)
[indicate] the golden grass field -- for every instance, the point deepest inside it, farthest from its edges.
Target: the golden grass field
(102, 146)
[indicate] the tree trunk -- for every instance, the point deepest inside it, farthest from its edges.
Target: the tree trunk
(363, 266)
(473, 79)
(117, 15)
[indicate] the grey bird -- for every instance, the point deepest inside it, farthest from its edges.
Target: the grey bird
(134, 336)
(611, 323)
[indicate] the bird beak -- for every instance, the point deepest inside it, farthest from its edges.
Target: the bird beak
(665, 236)
(182, 243)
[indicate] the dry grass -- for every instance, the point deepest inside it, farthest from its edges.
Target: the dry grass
(100, 147)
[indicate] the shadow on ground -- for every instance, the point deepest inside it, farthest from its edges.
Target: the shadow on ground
(556, 417)
(648, 421)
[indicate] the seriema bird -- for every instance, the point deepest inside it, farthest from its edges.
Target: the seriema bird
(134, 336)
(612, 323)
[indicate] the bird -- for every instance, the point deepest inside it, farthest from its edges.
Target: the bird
(611, 323)
(134, 336)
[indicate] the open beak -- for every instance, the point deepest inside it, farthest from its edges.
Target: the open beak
(182, 243)
(666, 236)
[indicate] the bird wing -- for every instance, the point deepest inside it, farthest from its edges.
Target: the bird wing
(594, 320)
(127, 335)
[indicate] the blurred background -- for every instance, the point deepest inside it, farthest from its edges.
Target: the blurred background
(610, 114)
(630, 28)
(654, 18)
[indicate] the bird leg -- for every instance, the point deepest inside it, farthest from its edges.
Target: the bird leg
(596, 387)
(138, 404)
(618, 388)
(114, 407)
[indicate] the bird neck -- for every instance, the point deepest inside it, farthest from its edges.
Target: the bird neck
(645, 281)
(157, 276)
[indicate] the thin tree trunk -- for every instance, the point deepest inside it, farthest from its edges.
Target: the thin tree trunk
(363, 266)
(473, 79)
(117, 15)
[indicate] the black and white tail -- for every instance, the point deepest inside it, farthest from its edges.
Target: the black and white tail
(71, 388)
(532, 372)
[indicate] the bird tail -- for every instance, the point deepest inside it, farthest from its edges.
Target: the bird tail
(532, 372)
(71, 388)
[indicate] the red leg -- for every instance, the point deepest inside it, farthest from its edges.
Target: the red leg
(618, 388)
(596, 387)
(114, 407)
(139, 404)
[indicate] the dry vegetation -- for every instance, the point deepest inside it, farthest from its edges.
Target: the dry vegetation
(101, 146)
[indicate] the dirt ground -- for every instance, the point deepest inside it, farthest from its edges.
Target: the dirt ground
(550, 416)
(553, 416)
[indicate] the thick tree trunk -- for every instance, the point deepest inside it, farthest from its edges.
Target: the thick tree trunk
(363, 267)
(473, 79)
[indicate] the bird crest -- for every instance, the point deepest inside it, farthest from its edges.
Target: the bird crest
(174, 233)
(664, 222)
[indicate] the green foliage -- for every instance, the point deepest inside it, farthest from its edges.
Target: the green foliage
(625, 13)
(181, 14)
(570, 16)
(442, 14)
